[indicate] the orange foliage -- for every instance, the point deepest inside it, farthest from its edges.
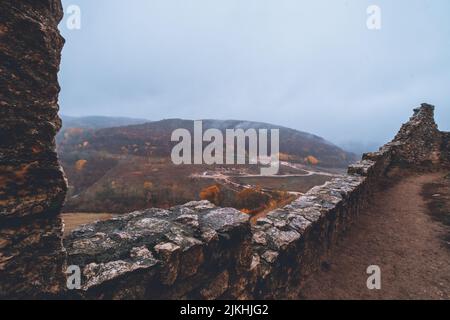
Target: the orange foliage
(80, 164)
(251, 198)
(211, 193)
(73, 132)
(284, 157)
(148, 185)
(312, 160)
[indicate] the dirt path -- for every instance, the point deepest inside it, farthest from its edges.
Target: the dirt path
(398, 234)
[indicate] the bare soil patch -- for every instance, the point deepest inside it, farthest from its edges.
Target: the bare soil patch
(75, 220)
(401, 234)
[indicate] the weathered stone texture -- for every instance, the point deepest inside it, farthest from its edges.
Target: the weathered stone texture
(445, 155)
(418, 143)
(160, 253)
(32, 185)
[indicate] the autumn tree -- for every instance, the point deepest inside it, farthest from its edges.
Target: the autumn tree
(251, 199)
(212, 194)
(312, 160)
(80, 164)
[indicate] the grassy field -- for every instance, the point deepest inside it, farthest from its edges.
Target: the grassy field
(74, 220)
(296, 184)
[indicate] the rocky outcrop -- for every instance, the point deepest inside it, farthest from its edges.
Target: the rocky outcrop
(32, 185)
(200, 251)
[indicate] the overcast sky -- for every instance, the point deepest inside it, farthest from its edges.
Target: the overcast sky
(310, 65)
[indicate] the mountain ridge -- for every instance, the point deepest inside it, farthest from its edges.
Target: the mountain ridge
(154, 138)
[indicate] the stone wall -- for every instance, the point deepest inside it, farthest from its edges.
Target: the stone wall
(445, 155)
(32, 185)
(188, 251)
(418, 143)
(200, 251)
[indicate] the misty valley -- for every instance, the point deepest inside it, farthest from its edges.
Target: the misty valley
(115, 166)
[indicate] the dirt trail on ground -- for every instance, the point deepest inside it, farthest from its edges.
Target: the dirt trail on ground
(398, 234)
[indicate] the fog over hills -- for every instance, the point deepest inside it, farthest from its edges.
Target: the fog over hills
(98, 122)
(154, 138)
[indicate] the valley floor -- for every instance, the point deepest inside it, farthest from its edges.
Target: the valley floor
(75, 220)
(406, 233)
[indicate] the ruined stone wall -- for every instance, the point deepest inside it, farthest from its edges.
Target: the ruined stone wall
(189, 251)
(32, 185)
(418, 143)
(200, 251)
(445, 155)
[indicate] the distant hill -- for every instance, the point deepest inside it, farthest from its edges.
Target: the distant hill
(98, 122)
(154, 139)
(91, 123)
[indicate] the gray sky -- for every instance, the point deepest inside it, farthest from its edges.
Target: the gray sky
(310, 65)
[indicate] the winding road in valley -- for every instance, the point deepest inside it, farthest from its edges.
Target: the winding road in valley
(227, 179)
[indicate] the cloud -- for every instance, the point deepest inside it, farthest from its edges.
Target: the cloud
(309, 65)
